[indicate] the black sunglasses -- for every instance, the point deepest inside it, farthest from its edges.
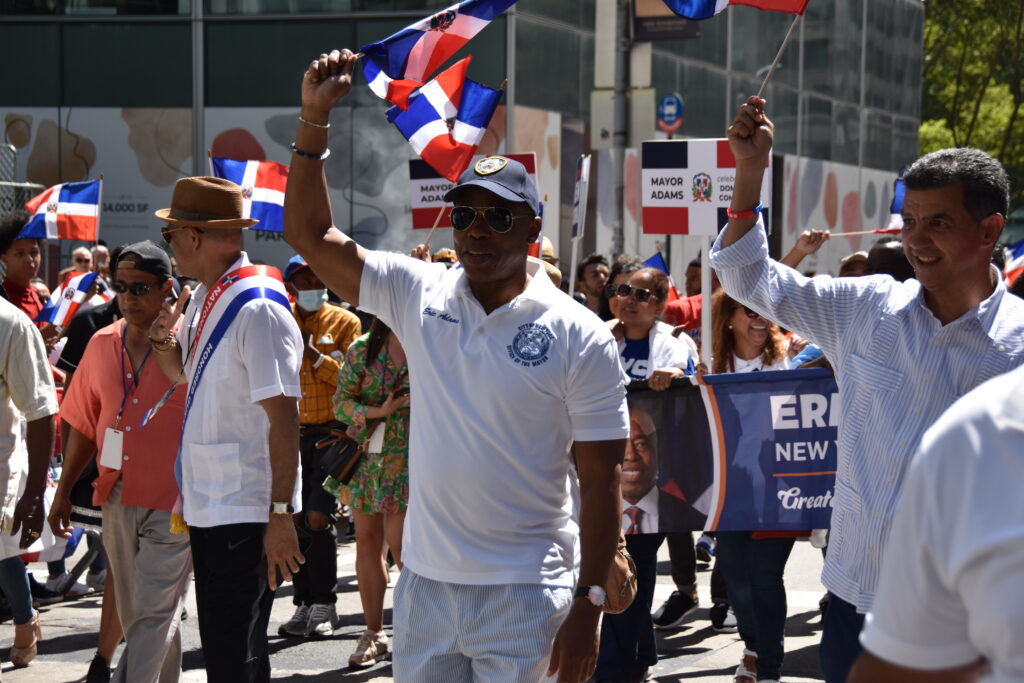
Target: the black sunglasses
(751, 313)
(137, 289)
(623, 290)
(498, 218)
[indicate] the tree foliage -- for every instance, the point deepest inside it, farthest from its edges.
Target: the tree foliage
(974, 81)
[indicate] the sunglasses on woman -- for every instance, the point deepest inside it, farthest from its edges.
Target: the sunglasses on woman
(137, 289)
(751, 314)
(498, 218)
(639, 293)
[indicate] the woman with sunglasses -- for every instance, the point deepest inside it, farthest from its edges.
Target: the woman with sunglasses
(752, 563)
(373, 384)
(647, 351)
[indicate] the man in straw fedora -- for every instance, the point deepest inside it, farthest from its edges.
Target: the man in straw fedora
(237, 353)
(494, 522)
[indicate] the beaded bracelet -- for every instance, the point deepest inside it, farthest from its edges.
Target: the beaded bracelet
(307, 155)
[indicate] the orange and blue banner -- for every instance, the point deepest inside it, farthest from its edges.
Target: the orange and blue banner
(738, 452)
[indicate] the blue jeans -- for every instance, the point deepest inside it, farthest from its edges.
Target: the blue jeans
(753, 577)
(840, 639)
(627, 639)
(14, 584)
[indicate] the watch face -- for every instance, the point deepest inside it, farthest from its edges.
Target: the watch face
(596, 595)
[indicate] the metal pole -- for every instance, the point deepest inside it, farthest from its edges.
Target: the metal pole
(510, 90)
(705, 303)
(198, 87)
(620, 124)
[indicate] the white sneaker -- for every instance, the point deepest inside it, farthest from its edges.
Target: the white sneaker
(323, 619)
(371, 648)
(76, 590)
(96, 581)
(297, 625)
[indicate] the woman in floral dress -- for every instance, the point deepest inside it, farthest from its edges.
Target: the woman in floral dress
(373, 383)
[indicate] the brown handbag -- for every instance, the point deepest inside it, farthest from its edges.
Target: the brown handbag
(620, 588)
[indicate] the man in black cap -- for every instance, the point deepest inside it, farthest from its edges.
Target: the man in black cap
(510, 374)
(116, 382)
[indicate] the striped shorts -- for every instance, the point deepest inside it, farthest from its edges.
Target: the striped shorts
(451, 632)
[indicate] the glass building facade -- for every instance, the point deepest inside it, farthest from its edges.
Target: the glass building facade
(111, 86)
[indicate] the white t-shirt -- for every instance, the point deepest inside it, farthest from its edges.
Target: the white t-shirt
(951, 585)
(26, 394)
(225, 455)
(496, 402)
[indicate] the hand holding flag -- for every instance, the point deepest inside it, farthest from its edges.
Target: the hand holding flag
(326, 81)
(751, 133)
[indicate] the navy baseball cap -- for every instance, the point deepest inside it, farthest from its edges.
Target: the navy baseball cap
(504, 177)
(147, 257)
(295, 264)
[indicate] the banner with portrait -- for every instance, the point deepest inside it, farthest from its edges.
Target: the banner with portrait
(736, 452)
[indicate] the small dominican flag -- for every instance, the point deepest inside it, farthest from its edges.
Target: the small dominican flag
(396, 66)
(263, 184)
(657, 261)
(68, 211)
(899, 189)
(1015, 263)
(705, 9)
(68, 298)
(448, 148)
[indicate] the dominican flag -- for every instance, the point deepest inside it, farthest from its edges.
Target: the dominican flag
(448, 148)
(899, 189)
(67, 299)
(263, 184)
(396, 66)
(705, 9)
(657, 261)
(1015, 263)
(68, 211)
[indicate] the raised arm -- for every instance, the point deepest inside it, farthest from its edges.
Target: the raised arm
(308, 224)
(750, 139)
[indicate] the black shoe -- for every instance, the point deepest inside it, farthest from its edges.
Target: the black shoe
(674, 610)
(41, 595)
(722, 618)
(99, 671)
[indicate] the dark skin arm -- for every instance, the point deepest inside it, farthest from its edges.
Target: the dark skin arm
(78, 450)
(308, 224)
(750, 139)
(599, 464)
(871, 669)
(281, 543)
(28, 513)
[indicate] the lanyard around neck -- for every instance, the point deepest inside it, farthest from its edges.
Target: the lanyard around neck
(130, 389)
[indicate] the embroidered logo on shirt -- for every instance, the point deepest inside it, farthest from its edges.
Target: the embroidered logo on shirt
(531, 345)
(441, 315)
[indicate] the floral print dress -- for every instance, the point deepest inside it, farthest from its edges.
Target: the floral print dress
(381, 481)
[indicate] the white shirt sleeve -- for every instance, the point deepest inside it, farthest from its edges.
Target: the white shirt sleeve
(820, 309)
(270, 345)
(391, 287)
(26, 371)
(596, 395)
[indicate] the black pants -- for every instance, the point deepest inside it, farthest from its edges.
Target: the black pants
(317, 579)
(234, 601)
(627, 639)
(683, 558)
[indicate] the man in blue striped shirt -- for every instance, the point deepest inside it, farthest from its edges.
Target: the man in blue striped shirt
(903, 352)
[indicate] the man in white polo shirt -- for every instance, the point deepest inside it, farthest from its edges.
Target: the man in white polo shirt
(508, 374)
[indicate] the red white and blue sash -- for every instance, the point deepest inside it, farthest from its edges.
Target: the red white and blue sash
(220, 308)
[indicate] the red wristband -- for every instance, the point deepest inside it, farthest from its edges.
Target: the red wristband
(751, 213)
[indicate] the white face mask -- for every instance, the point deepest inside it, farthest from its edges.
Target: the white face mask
(311, 299)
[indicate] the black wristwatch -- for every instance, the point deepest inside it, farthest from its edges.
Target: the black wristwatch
(281, 509)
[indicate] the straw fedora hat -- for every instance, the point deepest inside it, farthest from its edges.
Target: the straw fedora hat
(207, 202)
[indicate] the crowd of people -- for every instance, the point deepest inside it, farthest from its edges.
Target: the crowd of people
(499, 459)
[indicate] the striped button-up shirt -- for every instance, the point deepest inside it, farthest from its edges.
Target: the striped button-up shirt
(898, 368)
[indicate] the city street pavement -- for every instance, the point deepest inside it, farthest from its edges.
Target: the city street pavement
(692, 653)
